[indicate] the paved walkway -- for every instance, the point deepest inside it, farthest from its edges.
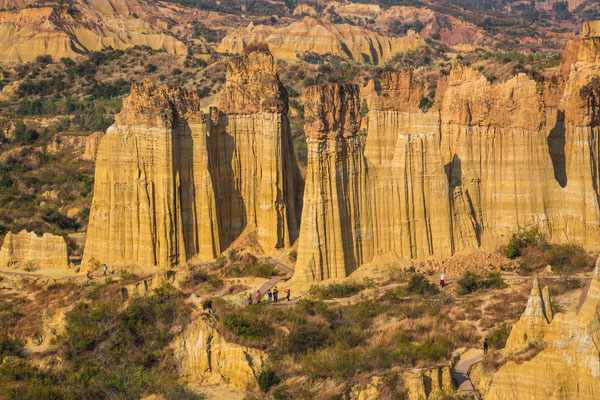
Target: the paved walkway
(33, 275)
(287, 274)
(461, 373)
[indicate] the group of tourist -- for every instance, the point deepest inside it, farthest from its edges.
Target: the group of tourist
(272, 296)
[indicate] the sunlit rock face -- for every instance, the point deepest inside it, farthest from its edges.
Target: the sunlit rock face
(172, 183)
(486, 159)
(568, 368)
(46, 251)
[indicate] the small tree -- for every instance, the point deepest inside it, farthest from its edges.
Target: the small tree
(267, 379)
(364, 109)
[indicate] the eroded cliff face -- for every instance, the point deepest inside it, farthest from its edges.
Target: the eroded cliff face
(335, 212)
(568, 368)
(485, 160)
(40, 251)
(172, 183)
(204, 356)
(85, 26)
(311, 35)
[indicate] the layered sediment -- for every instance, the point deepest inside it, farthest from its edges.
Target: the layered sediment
(204, 356)
(82, 27)
(486, 159)
(26, 249)
(319, 36)
(172, 183)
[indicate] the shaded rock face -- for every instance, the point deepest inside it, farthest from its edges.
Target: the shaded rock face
(40, 251)
(204, 356)
(172, 184)
(485, 160)
(569, 368)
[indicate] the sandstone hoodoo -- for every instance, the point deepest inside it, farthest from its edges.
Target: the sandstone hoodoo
(568, 368)
(30, 251)
(172, 183)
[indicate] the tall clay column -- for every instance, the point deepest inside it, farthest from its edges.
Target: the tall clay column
(334, 217)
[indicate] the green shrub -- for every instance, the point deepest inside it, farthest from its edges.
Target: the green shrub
(525, 237)
(247, 326)
(267, 379)
(364, 108)
(425, 104)
(494, 280)
(335, 290)
(281, 393)
(499, 336)
(419, 284)
(149, 68)
(470, 282)
(10, 347)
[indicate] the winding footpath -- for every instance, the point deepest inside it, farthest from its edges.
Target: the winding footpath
(461, 373)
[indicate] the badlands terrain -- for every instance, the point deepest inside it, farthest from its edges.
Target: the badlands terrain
(257, 199)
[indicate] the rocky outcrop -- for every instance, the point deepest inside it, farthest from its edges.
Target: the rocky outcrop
(533, 326)
(319, 36)
(204, 356)
(417, 384)
(84, 26)
(172, 183)
(83, 147)
(26, 249)
(568, 368)
(484, 161)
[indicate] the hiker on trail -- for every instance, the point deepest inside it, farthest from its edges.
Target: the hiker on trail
(275, 294)
(270, 295)
(287, 294)
(258, 296)
(485, 346)
(89, 275)
(250, 299)
(105, 268)
(442, 279)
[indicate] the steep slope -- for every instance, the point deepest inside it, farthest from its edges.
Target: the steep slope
(319, 36)
(172, 183)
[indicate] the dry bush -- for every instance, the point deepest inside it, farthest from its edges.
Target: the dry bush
(492, 360)
(257, 46)
(236, 288)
